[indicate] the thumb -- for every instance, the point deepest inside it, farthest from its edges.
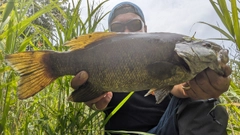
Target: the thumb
(79, 79)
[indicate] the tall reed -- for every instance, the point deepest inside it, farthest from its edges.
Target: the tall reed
(228, 12)
(47, 112)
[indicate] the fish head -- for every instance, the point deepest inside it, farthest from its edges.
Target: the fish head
(201, 54)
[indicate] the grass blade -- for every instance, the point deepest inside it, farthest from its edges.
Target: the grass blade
(220, 30)
(226, 14)
(21, 26)
(235, 22)
(117, 108)
(8, 9)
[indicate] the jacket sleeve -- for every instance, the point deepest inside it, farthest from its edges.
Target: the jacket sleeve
(202, 117)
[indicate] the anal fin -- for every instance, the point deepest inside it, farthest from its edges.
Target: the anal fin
(85, 93)
(160, 94)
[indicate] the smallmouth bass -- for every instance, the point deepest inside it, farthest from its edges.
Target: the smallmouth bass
(119, 62)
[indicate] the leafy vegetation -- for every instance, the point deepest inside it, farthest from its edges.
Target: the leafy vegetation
(229, 12)
(49, 112)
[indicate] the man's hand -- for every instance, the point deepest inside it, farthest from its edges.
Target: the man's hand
(99, 103)
(207, 84)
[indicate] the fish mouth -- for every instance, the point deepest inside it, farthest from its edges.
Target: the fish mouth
(223, 56)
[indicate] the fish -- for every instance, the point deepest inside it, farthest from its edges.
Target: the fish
(119, 62)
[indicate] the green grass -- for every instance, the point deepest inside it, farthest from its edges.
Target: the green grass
(49, 112)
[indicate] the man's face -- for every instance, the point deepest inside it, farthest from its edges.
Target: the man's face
(128, 22)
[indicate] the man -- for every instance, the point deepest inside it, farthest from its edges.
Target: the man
(173, 114)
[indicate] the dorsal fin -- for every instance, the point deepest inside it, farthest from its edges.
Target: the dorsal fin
(84, 40)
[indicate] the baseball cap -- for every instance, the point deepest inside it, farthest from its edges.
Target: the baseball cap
(125, 7)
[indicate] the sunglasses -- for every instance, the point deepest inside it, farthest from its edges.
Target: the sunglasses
(132, 25)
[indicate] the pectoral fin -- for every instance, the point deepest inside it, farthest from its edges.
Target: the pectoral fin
(161, 70)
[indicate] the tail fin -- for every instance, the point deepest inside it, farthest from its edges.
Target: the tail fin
(34, 72)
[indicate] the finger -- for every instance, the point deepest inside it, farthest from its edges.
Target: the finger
(79, 79)
(227, 70)
(218, 82)
(187, 90)
(197, 87)
(206, 81)
(102, 103)
(208, 84)
(89, 103)
(194, 92)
